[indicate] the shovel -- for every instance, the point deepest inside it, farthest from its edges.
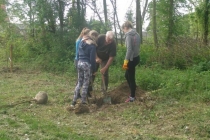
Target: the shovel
(107, 99)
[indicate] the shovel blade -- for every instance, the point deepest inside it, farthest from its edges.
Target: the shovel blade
(107, 100)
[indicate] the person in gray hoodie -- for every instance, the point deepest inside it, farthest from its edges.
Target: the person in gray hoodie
(86, 67)
(132, 58)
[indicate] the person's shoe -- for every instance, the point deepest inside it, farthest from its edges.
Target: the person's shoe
(83, 103)
(73, 104)
(130, 99)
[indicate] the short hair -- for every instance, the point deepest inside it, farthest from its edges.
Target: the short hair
(93, 33)
(127, 24)
(110, 34)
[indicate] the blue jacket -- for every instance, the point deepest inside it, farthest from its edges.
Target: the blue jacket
(77, 47)
(87, 53)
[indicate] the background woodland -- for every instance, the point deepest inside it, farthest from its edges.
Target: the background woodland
(46, 30)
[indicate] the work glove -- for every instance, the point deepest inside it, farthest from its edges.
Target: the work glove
(125, 65)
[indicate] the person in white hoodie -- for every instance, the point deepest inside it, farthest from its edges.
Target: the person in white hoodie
(132, 58)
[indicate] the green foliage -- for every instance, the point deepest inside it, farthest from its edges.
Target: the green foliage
(200, 14)
(185, 85)
(202, 66)
(146, 52)
(121, 52)
(130, 16)
(180, 20)
(181, 56)
(98, 26)
(149, 79)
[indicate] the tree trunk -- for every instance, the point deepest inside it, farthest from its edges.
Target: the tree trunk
(115, 28)
(138, 14)
(154, 24)
(94, 8)
(31, 19)
(206, 21)
(83, 13)
(171, 23)
(139, 20)
(144, 11)
(105, 13)
(114, 5)
(61, 18)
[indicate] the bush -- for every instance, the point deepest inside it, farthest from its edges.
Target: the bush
(184, 53)
(148, 79)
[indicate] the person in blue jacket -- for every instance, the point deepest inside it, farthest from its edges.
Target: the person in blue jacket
(85, 31)
(85, 67)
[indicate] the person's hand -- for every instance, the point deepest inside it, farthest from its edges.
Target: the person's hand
(98, 60)
(125, 65)
(103, 70)
(94, 73)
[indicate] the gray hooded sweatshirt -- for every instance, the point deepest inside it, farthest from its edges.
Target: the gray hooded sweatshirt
(132, 42)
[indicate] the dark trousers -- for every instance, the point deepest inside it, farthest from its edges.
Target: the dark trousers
(130, 75)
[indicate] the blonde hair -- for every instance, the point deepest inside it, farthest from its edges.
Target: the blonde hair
(127, 24)
(85, 31)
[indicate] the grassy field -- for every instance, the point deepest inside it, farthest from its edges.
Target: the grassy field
(161, 115)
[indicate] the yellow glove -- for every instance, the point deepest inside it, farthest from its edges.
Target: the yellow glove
(125, 65)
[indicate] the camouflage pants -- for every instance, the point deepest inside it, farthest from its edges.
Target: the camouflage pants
(83, 80)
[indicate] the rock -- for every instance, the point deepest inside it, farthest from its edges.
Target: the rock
(41, 97)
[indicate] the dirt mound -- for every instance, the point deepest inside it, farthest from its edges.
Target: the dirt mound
(118, 96)
(81, 108)
(122, 92)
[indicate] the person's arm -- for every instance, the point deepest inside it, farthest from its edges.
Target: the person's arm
(93, 58)
(109, 62)
(98, 60)
(129, 47)
(77, 47)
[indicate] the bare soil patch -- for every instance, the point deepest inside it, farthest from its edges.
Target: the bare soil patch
(118, 96)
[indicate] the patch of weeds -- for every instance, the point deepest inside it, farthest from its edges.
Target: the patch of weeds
(202, 66)
(203, 131)
(148, 79)
(4, 135)
(12, 123)
(205, 97)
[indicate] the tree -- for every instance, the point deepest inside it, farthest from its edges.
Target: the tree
(3, 14)
(154, 24)
(105, 12)
(170, 22)
(139, 20)
(116, 20)
(93, 7)
(202, 14)
(129, 15)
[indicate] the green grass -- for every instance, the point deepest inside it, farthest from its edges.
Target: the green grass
(176, 107)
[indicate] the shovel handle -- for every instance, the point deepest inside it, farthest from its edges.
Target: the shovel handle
(103, 80)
